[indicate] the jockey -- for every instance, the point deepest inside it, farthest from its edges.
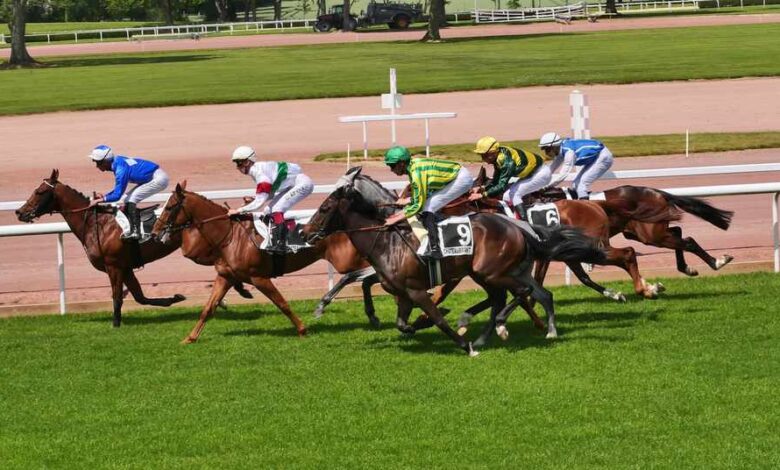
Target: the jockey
(148, 176)
(592, 155)
(527, 167)
(280, 185)
(434, 182)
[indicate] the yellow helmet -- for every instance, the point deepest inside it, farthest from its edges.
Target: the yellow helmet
(485, 145)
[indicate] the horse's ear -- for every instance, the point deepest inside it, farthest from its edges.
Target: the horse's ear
(183, 184)
(180, 188)
(55, 173)
(354, 169)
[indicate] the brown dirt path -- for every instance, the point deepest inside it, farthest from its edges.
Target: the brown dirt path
(275, 40)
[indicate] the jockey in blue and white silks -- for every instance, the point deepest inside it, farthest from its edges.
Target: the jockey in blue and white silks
(148, 177)
(279, 186)
(592, 155)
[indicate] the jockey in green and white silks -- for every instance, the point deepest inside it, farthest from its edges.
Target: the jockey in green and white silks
(434, 183)
(279, 186)
(592, 155)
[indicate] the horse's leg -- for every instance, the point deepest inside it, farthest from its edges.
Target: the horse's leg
(424, 321)
(578, 271)
(242, 291)
(405, 306)
(542, 295)
(116, 276)
(498, 298)
(661, 235)
(540, 272)
(471, 312)
(221, 286)
(138, 294)
(265, 286)
(526, 305)
(368, 299)
(625, 258)
(346, 279)
(420, 297)
(672, 238)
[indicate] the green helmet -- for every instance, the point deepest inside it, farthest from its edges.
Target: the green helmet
(397, 154)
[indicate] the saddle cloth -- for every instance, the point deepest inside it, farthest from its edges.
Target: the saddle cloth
(295, 239)
(455, 236)
(148, 218)
(544, 215)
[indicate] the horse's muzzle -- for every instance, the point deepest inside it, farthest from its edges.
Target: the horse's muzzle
(26, 217)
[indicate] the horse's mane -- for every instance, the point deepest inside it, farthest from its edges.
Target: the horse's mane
(204, 198)
(74, 190)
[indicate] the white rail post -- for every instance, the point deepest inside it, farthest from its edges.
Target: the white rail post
(61, 269)
(365, 140)
(687, 141)
(427, 140)
(776, 229)
(393, 92)
(330, 276)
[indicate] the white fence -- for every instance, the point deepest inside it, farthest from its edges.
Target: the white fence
(699, 191)
(529, 14)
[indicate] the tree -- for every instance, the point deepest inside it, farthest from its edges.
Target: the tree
(222, 9)
(322, 7)
(437, 17)
(18, 26)
(277, 10)
(347, 23)
(611, 7)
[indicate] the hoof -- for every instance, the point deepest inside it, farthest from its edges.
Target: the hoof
(689, 271)
(502, 332)
(187, 340)
(726, 259)
(302, 332)
(374, 322)
(462, 331)
(472, 352)
(319, 312)
(178, 298)
(660, 288)
(223, 304)
(552, 335)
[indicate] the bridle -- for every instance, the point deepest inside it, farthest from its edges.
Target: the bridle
(173, 213)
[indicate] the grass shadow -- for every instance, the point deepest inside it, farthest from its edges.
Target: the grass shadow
(128, 60)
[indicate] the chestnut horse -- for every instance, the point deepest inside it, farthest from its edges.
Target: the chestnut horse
(100, 235)
(501, 260)
(239, 258)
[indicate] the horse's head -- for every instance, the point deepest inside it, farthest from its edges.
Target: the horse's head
(481, 179)
(174, 216)
(42, 201)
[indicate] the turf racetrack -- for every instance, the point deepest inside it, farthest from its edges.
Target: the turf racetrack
(689, 380)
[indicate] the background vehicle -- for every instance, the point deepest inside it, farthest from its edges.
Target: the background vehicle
(394, 15)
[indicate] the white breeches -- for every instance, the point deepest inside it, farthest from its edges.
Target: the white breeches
(284, 200)
(454, 189)
(591, 172)
(142, 191)
(541, 178)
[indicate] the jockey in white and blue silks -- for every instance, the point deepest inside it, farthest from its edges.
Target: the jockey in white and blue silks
(592, 155)
(148, 176)
(279, 186)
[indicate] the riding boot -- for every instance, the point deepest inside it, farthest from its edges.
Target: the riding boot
(521, 212)
(279, 238)
(134, 217)
(429, 222)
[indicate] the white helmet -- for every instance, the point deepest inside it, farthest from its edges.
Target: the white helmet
(101, 152)
(549, 139)
(243, 153)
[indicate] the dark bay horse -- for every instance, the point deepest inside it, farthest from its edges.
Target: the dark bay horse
(501, 261)
(100, 235)
(239, 258)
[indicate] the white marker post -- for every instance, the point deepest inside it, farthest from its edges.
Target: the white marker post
(392, 101)
(580, 129)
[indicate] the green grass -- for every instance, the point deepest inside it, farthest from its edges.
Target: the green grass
(687, 381)
(622, 146)
(219, 76)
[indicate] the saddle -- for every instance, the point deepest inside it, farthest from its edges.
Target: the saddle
(148, 218)
(296, 241)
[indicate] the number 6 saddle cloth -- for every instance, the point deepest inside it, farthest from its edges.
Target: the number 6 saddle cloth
(455, 236)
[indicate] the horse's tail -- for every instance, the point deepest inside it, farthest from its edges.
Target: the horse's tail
(700, 208)
(566, 244)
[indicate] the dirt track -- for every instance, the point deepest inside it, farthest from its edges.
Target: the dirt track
(273, 40)
(194, 143)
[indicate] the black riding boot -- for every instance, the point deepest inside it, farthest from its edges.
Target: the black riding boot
(134, 217)
(428, 220)
(279, 238)
(521, 212)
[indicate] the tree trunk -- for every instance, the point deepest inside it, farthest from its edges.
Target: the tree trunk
(611, 7)
(347, 24)
(277, 10)
(246, 11)
(436, 19)
(19, 55)
(254, 10)
(322, 7)
(222, 9)
(168, 10)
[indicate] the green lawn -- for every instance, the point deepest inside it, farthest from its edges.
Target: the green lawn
(218, 76)
(622, 146)
(687, 381)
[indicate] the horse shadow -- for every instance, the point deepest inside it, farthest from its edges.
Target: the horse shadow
(129, 60)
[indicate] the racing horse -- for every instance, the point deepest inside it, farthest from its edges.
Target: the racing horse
(501, 261)
(100, 235)
(239, 259)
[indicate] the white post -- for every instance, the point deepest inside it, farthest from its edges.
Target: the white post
(476, 14)
(580, 115)
(330, 276)
(567, 276)
(687, 140)
(61, 269)
(776, 229)
(393, 91)
(427, 140)
(365, 141)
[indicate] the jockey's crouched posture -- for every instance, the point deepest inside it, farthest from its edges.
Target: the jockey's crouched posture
(148, 176)
(434, 183)
(281, 182)
(527, 167)
(592, 155)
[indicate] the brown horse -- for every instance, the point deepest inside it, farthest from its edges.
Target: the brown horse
(239, 258)
(100, 235)
(501, 260)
